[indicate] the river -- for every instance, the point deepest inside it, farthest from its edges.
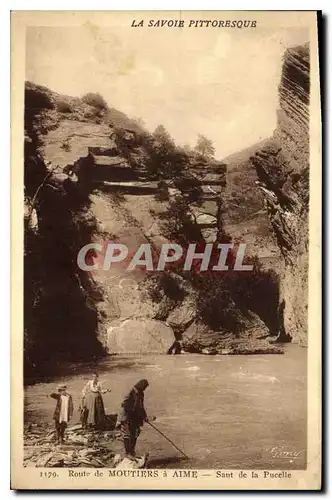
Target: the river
(225, 412)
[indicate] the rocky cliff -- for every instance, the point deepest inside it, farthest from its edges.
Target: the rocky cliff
(94, 175)
(282, 168)
(245, 215)
(134, 204)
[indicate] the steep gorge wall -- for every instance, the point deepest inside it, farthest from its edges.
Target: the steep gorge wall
(105, 167)
(110, 183)
(60, 319)
(129, 207)
(283, 172)
(245, 215)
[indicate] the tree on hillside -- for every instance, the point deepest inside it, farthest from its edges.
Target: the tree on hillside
(205, 146)
(163, 140)
(140, 123)
(187, 149)
(165, 159)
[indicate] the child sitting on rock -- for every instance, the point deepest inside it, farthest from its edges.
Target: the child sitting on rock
(63, 411)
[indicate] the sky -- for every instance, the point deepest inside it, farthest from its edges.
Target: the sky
(219, 83)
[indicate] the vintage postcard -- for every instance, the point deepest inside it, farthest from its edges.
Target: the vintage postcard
(166, 250)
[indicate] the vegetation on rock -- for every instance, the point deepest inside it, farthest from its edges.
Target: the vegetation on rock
(205, 146)
(60, 320)
(95, 100)
(68, 309)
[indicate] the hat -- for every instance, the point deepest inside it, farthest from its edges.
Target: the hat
(61, 387)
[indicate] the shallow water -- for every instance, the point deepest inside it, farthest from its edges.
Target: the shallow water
(223, 411)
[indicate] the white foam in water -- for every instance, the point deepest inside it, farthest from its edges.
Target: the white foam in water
(153, 367)
(193, 368)
(257, 376)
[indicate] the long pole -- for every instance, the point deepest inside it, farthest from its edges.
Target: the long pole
(155, 428)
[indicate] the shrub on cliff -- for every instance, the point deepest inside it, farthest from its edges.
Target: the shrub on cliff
(63, 106)
(37, 98)
(224, 298)
(96, 100)
(177, 224)
(93, 115)
(216, 307)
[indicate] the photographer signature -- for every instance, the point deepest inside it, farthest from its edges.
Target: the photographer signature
(284, 452)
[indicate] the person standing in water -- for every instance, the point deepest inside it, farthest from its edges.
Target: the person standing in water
(63, 411)
(93, 410)
(132, 417)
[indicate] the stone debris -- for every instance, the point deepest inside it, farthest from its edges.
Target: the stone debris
(126, 463)
(82, 448)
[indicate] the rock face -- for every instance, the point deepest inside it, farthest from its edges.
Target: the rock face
(140, 337)
(117, 184)
(253, 340)
(127, 209)
(245, 214)
(282, 167)
(133, 220)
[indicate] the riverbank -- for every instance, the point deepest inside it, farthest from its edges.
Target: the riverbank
(222, 411)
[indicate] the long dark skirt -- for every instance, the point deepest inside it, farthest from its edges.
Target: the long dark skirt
(93, 410)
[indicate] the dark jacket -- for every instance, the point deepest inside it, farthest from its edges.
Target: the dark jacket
(56, 414)
(133, 408)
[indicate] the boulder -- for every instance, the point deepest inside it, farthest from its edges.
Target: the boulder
(252, 340)
(206, 220)
(205, 206)
(173, 192)
(198, 337)
(138, 463)
(255, 326)
(210, 234)
(140, 336)
(210, 352)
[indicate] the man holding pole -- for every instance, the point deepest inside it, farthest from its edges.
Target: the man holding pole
(132, 417)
